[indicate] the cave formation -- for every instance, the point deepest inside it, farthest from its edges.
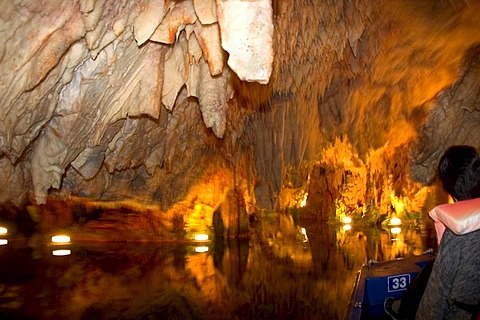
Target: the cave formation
(166, 114)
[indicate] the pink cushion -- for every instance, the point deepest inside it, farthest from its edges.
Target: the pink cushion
(461, 217)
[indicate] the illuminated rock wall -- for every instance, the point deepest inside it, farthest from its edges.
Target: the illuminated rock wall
(153, 104)
(410, 61)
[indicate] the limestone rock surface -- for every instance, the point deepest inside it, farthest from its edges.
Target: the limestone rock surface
(80, 80)
(153, 101)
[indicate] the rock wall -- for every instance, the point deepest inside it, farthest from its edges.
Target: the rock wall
(134, 100)
(454, 119)
(376, 94)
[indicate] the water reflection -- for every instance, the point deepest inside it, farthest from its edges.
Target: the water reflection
(280, 273)
(61, 252)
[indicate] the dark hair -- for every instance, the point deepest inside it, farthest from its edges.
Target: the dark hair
(459, 171)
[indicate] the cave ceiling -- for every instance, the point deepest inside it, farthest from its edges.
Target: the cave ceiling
(159, 100)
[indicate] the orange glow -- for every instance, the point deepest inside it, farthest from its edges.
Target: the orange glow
(3, 230)
(395, 221)
(397, 203)
(395, 230)
(60, 239)
(201, 237)
(201, 249)
(304, 233)
(303, 203)
(347, 220)
(60, 253)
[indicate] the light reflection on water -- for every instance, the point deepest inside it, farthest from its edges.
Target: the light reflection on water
(274, 275)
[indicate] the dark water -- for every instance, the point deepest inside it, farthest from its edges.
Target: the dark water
(277, 274)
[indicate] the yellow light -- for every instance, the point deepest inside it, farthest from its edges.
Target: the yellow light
(303, 203)
(3, 230)
(201, 237)
(304, 233)
(201, 249)
(395, 221)
(61, 239)
(395, 230)
(347, 227)
(60, 253)
(3, 242)
(347, 220)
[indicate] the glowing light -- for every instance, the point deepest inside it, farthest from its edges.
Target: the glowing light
(304, 233)
(3, 242)
(395, 230)
(201, 237)
(201, 249)
(347, 220)
(60, 253)
(347, 227)
(395, 221)
(61, 239)
(3, 230)
(397, 203)
(303, 203)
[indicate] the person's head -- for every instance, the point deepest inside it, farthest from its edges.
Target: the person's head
(459, 171)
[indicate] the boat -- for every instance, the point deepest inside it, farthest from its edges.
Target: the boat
(376, 281)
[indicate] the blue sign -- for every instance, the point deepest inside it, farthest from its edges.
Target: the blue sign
(399, 282)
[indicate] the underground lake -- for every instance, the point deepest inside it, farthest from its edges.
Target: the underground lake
(282, 270)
